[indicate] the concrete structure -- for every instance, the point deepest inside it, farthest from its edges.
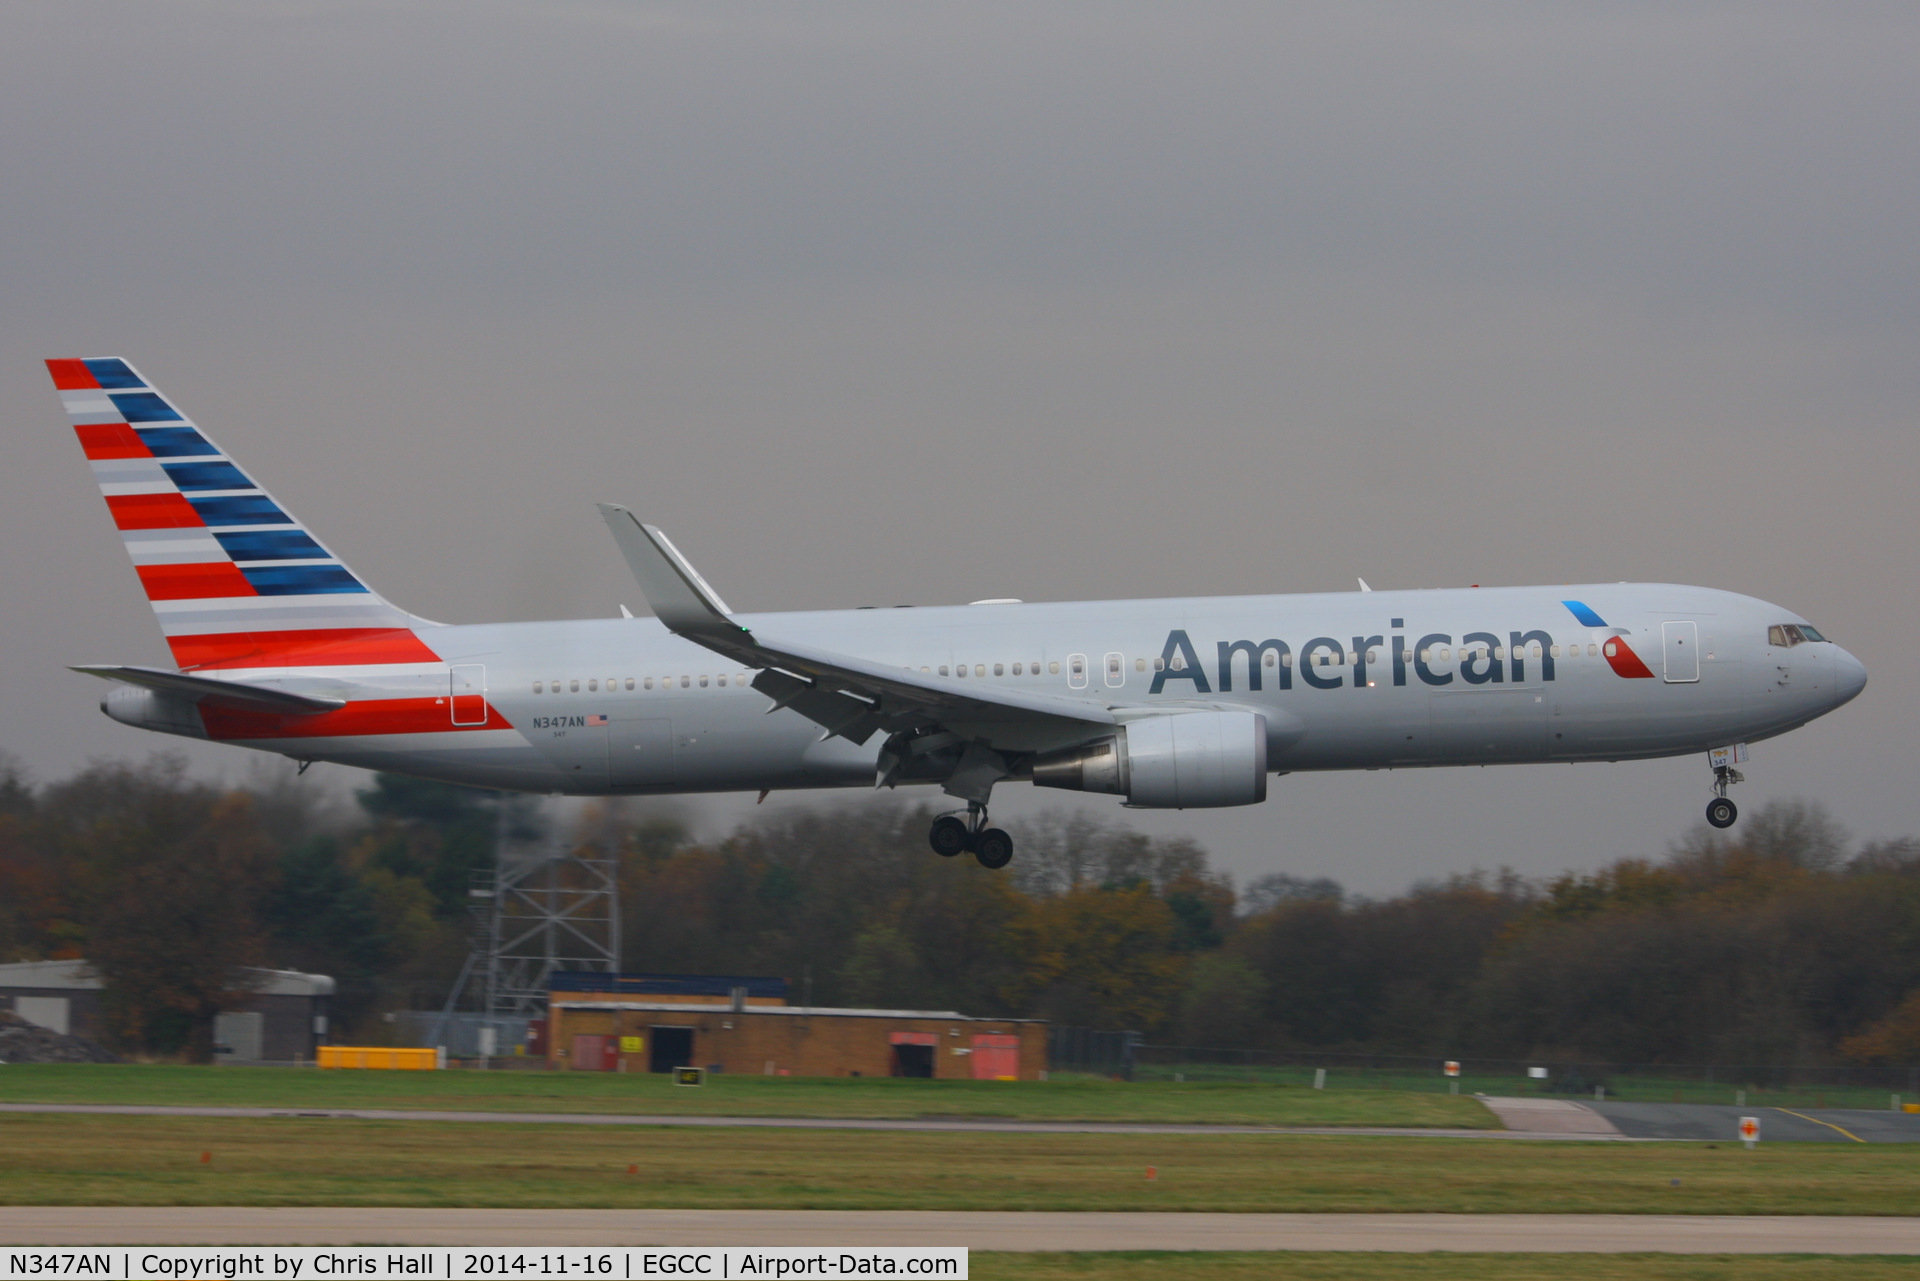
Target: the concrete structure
(281, 1020)
(655, 1023)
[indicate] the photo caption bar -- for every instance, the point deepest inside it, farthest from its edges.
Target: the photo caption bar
(440, 1263)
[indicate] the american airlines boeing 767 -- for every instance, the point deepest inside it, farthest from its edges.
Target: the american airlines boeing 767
(1179, 703)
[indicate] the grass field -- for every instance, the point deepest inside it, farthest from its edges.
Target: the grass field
(1247, 1266)
(1217, 1103)
(105, 1160)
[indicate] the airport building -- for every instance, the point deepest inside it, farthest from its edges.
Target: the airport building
(732, 1024)
(281, 1020)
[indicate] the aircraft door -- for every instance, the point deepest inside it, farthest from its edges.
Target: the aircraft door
(1682, 644)
(640, 753)
(468, 693)
(1076, 671)
(1115, 666)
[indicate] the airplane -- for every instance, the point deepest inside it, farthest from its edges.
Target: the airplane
(1178, 703)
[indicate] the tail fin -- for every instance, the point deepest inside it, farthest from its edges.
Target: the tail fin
(235, 580)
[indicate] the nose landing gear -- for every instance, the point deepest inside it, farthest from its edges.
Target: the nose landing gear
(950, 834)
(1721, 812)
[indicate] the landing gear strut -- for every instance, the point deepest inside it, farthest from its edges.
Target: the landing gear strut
(1720, 811)
(951, 834)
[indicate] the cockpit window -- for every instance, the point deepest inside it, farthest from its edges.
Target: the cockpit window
(1785, 635)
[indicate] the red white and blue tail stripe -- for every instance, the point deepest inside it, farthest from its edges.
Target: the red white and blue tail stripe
(234, 579)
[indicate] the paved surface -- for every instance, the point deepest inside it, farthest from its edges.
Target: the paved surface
(1558, 1118)
(1525, 1118)
(1690, 1234)
(775, 1122)
(1722, 1121)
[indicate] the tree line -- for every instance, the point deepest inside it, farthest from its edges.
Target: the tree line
(1779, 942)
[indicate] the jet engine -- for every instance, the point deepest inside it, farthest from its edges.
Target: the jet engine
(1184, 760)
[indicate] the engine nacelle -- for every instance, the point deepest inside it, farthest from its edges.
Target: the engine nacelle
(1183, 760)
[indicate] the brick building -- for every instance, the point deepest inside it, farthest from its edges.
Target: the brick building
(655, 1023)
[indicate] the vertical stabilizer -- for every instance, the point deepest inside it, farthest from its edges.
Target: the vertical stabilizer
(234, 579)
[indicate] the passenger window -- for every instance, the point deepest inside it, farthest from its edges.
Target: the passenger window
(927, 671)
(960, 670)
(1139, 664)
(1054, 668)
(1159, 664)
(1286, 660)
(1499, 651)
(723, 680)
(703, 682)
(613, 683)
(1018, 670)
(573, 687)
(1033, 668)
(943, 669)
(979, 669)
(1610, 649)
(686, 682)
(629, 682)
(1352, 657)
(999, 669)
(593, 687)
(1267, 658)
(1446, 654)
(536, 687)
(1373, 656)
(1556, 651)
(647, 683)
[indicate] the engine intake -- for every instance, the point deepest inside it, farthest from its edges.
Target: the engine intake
(1183, 760)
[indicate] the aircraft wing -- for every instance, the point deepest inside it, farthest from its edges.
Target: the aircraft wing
(252, 698)
(850, 696)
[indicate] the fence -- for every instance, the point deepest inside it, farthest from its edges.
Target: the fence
(460, 1032)
(1081, 1049)
(1127, 1056)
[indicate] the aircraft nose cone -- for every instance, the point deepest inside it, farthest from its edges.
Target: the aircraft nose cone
(1849, 677)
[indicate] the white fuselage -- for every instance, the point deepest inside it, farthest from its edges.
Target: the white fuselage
(1358, 681)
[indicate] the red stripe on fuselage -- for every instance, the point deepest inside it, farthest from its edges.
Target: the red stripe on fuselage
(72, 375)
(111, 440)
(320, 647)
(153, 511)
(194, 582)
(1624, 661)
(375, 716)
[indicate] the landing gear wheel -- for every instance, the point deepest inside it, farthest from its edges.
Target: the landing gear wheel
(1721, 812)
(949, 836)
(993, 848)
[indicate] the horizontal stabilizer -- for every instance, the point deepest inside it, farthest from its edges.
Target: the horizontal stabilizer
(252, 698)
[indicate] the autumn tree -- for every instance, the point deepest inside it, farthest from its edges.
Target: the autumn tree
(169, 876)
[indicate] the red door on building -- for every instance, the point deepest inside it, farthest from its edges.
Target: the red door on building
(595, 1053)
(996, 1058)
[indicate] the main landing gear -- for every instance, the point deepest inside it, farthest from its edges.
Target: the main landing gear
(1720, 811)
(951, 834)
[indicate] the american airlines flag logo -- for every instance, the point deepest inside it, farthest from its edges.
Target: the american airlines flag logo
(596, 720)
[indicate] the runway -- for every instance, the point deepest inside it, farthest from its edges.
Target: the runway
(995, 1230)
(1523, 1117)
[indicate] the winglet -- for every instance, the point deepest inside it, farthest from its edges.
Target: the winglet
(679, 597)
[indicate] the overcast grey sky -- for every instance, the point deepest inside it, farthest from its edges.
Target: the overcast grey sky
(883, 303)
